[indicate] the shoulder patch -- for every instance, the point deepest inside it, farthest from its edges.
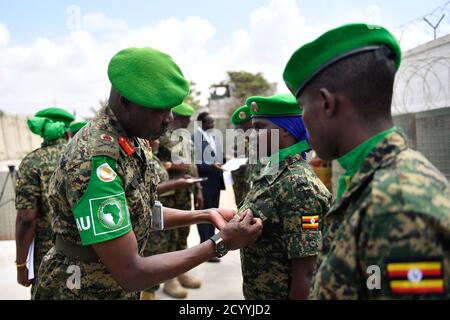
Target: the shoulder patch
(102, 212)
(105, 173)
(418, 276)
(105, 144)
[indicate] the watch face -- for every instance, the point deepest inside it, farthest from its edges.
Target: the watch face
(221, 246)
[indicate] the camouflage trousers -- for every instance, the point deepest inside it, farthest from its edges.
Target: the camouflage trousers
(64, 278)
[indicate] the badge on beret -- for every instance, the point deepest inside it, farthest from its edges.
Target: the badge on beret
(254, 107)
(242, 115)
(106, 137)
(106, 173)
(421, 276)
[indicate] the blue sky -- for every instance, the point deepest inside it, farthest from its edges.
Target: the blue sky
(46, 18)
(43, 62)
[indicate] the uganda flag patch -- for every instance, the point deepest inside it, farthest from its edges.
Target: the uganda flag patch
(310, 222)
(416, 277)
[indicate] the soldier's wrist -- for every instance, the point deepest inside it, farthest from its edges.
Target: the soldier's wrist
(21, 265)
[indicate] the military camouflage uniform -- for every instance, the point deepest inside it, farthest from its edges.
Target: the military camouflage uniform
(159, 239)
(394, 218)
(180, 199)
(282, 200)
(240, 184)
(71, 179)
(32, 184)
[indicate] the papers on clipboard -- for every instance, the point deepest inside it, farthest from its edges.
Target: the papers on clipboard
(234, 164)
(30, 260)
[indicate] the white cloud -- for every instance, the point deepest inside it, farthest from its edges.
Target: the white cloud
(98, 22)
(4, 35)
(371, 14)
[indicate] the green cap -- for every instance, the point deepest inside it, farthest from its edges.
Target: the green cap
(47, 128)
(279, 105)
(56, 115)
(76, 126)
(312, 58)
(148, 77)
(183, 110)
(241, 115)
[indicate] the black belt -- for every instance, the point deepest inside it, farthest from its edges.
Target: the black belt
(75, 251)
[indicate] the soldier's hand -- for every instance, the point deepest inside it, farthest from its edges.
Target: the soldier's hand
(241, 232)
(220, 217)
(22, 277)
(180, 166)
(183, 183)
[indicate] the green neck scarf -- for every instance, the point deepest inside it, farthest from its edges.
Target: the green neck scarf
(282, 154)
(353, 160)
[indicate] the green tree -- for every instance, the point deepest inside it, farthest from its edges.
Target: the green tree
(245, 84)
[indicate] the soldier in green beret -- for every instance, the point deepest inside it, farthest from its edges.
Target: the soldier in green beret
(241, 119)
(104, 188)
(34, 212)
(179, 168)
(290, 199)
(387, 234)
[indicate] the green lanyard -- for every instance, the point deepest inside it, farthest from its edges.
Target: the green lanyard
(353, 160)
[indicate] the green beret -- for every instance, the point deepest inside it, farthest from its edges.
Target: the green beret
(279, 105)
(148, 77)
(183, 110)
(241, 115)
(312, 58)
(56, 115)
(76, 126)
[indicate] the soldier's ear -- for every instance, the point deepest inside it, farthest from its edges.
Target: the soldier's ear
(327, 102)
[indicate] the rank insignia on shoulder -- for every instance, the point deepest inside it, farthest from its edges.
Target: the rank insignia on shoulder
(310, 222)
(416, 277)
(106, 137)
(126, 146)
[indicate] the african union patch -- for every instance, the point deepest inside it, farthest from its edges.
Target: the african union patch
(105, 173)
(103, 218)
(422, 276)
(310, 222)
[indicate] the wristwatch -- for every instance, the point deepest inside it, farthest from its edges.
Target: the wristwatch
(220, 245)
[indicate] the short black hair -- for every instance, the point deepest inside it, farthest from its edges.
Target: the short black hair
(366, 79)
(202, 116)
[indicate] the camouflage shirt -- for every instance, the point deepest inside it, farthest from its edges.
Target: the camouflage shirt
(33, 179)
(240, 184)
(179, 199)
(389, 235)
(131, 163)
(290, 203)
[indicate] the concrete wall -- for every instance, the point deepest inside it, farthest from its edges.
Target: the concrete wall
(16, 140)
